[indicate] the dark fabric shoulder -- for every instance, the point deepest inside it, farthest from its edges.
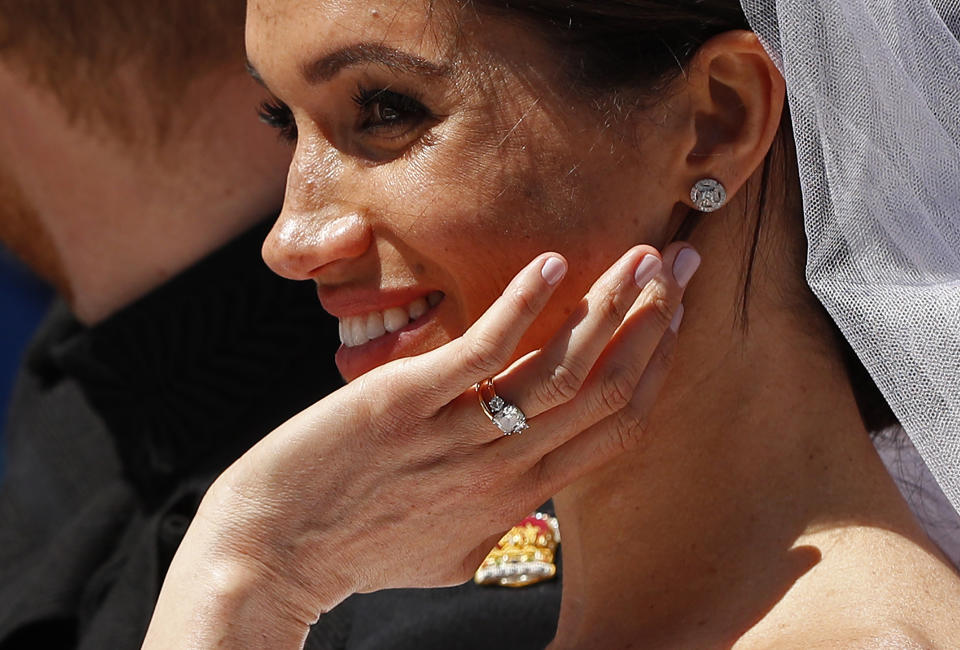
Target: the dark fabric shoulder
(115, 431)
(467, 617)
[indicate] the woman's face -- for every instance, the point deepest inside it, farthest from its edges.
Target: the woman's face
(437, 152)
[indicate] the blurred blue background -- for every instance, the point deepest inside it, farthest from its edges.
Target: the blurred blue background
(23, 301)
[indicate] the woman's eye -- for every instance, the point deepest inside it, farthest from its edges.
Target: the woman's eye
(384, 114)
(278, 115)
(388, 114)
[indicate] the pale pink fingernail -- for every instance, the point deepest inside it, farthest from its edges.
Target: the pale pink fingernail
(686, 264)
(648, 267)
(677, 319)
(553, 270)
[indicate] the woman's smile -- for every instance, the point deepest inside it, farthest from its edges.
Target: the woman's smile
(377, 326)
(355, 360)
(359, 330)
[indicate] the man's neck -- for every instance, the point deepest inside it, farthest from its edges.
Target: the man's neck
(125, 217)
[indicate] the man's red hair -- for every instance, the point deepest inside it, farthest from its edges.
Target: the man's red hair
(83, 50)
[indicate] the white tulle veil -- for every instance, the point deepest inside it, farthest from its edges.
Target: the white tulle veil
(874, 93)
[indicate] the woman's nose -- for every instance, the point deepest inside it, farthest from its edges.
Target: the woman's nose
(301, 244)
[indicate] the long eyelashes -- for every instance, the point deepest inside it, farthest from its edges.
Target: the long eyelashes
(278, 115)
(387, 113)
(383, 113)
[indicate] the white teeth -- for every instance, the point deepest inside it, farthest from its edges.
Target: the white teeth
(417, 308)
(375, 328)
(357, 330)
(395, 318)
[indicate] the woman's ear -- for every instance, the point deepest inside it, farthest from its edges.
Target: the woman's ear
(737, 96)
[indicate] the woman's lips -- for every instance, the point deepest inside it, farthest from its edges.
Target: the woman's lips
(360, 329)
(353, 361)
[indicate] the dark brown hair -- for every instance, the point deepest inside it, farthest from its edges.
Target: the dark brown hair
(639, 47)
(78, 50)
(617, 44)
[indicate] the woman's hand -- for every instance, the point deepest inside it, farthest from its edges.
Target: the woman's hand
(399, 479)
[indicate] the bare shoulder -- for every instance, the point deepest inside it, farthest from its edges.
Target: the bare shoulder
(873, 589)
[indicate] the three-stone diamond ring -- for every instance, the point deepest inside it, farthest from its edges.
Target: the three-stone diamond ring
(508, 417)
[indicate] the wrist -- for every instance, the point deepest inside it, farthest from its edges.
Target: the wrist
(254, 561)
(227, 587)
(271, 593)
(242, 608)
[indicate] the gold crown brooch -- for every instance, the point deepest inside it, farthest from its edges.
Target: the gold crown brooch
(524, 556)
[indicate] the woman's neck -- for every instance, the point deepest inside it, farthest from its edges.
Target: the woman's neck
(696, 536)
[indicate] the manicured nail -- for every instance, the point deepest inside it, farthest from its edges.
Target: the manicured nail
(677, 319)
(553, 270)
(686, 264)
(648, 267)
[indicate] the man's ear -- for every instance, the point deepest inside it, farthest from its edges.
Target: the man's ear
(736, 99)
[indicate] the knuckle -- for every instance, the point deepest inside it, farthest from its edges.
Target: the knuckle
(563, 384)
(615, 391)
(420, 404)
(662, 308)
(615, 309)
(526, 301)
(627, 431)
(481, 356)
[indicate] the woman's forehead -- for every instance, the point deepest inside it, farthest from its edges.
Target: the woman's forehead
(422, 21)
(372, 29)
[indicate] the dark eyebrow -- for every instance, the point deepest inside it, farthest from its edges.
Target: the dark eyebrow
(328, 66)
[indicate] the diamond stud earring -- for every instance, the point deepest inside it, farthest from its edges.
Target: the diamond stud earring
(708, 195)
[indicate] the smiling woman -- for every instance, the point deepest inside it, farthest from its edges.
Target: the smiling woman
(485, 191)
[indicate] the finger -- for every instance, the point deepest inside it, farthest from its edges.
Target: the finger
(612, 381)
(556, 373)
(618, 433)
(488, 345)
